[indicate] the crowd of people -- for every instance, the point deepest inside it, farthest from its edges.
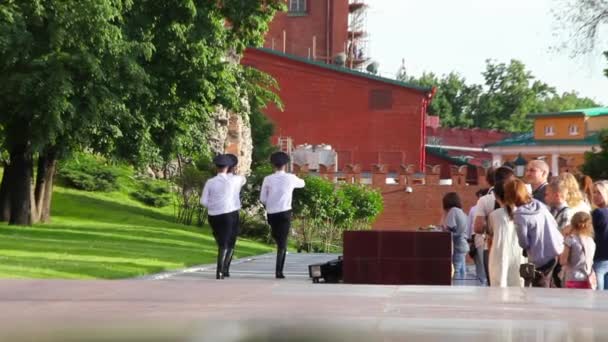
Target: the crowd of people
(544, 232)
(221, 197)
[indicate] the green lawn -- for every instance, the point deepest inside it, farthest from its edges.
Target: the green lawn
(106, 235)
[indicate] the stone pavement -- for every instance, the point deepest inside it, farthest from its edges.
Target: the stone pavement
(257, 307)
(255, 267)
(262, 267)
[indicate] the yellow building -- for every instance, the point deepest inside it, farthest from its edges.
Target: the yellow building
(561, 139)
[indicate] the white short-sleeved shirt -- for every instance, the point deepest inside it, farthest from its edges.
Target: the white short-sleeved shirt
(237, 182)
(277, 191)
(485, 205)
(221, 194)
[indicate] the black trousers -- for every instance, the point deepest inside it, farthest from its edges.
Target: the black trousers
(236, 228)
(486, 261)
(280, 225)
(224, 230)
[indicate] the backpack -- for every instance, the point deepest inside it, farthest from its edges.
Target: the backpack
(591, 278)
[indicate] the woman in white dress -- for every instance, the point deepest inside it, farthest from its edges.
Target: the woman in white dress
(505, 252)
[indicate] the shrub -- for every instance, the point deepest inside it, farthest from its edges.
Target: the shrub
(250, 194)
(152, 192)
(255, 228)
(321, 211)
(367, 203)
(88, 172)
(190, 183)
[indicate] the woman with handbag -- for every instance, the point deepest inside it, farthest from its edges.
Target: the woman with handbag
(537, 233)
(577, 258)
(505, 254)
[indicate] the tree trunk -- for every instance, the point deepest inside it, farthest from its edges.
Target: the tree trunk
(21, 185)
(47, 162)
(5, 199)
(33, 207)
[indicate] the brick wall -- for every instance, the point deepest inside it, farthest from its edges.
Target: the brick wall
(409, 210)
(323, 105)
(328, 25)
(421, 207)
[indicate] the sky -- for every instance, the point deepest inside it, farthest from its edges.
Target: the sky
(459, 35)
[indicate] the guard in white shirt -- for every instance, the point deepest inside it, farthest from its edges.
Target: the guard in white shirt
(239, 182)
(276, 194)
(219, 199)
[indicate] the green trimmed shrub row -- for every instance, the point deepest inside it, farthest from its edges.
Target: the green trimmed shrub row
(155, 193)
(87, 172)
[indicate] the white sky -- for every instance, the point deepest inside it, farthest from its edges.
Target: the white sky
(459, 35)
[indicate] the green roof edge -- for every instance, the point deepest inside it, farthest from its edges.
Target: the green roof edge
(436, 151)
(344, 70)
(590, 139)
(592, 112)
(551, 114)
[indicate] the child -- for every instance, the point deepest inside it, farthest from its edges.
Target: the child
(577, 258)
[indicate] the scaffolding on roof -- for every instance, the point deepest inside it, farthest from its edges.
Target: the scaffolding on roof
(356, 48)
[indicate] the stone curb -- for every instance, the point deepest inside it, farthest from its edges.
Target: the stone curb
(200, 268)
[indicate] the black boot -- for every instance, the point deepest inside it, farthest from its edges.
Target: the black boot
(227, 262)
(221, 257)
(280, 263)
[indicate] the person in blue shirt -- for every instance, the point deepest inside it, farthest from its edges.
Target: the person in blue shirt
(455, 221)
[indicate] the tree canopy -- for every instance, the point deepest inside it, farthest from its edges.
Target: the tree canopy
(580, 23)
(596, 162)
(509, 93)
(131, 79)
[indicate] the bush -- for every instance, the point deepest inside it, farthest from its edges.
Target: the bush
(323, 210)
(87, 172)
(152, 192)
(255, 228)
(189, 182)
(250, 194)
(367, 203)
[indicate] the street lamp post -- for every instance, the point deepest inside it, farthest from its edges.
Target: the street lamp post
(520, 165)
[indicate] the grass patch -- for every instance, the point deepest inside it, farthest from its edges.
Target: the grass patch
(106, 235)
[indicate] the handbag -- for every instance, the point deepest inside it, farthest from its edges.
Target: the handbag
(591, 277)
(527, 271)
(472, 248)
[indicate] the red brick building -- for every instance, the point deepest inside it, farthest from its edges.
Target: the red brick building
(320, 30)
(367, 119)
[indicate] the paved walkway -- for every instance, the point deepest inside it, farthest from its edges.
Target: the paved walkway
(253, 306)
(262, 267)
(256, 267)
